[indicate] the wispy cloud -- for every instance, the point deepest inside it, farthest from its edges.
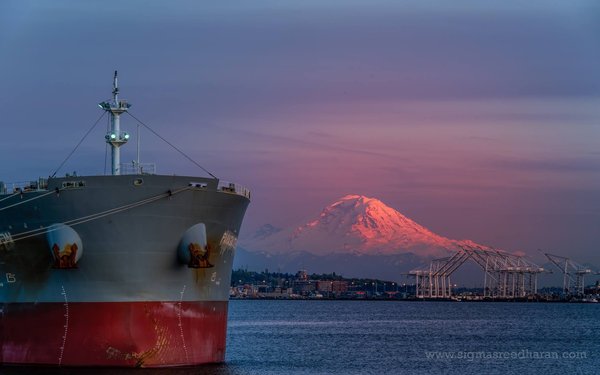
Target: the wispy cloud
(568, 166)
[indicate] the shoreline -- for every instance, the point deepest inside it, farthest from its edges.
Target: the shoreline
(486, 300)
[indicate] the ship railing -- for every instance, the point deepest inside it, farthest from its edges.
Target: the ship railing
(230, 187)
(23, 186)
(138, 168)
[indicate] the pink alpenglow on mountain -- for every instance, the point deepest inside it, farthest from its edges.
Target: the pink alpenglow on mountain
(354, 224)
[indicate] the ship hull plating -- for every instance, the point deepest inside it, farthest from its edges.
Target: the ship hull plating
(104, 282)
(124, 334)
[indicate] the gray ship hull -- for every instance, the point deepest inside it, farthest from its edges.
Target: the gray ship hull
(151, 254)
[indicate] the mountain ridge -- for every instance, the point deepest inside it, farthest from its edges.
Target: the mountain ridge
(353, 224)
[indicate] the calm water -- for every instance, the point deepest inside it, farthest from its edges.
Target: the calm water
(377, 337)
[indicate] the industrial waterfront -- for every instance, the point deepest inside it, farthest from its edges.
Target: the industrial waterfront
(504, 277)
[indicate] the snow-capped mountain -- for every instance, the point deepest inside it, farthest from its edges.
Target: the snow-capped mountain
(354, 224)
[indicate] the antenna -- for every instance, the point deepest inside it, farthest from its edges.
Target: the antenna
(115, 88)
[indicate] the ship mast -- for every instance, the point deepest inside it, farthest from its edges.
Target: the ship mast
(115, 138)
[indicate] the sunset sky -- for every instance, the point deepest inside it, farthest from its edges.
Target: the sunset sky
(477, 119)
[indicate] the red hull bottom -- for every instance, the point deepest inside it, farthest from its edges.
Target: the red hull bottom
(125, 334)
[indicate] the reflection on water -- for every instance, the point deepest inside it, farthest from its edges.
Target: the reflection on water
(222, 369)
